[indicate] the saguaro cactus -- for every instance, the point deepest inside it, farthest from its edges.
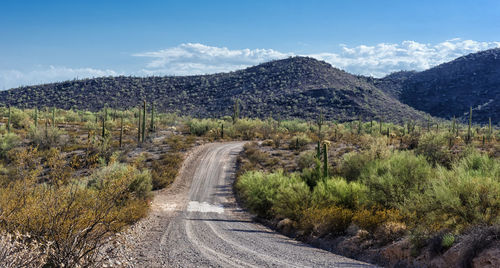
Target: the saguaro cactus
(469, 132)
(143, 120)
(490, 130)
(236, 110)
(222, 131)
(36, 117)
(320, 121)
(121, 130)
(53, 116)
(318, 150)
(325, 160)
(8, 121)
(152, 125)
(139, 125)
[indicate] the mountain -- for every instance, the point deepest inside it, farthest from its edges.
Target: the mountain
(297, 87)
(450, 89)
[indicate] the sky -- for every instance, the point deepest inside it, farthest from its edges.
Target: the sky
(48, 41)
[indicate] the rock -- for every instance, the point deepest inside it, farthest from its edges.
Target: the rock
(488, 258)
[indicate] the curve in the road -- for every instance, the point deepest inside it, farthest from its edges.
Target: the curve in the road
(212, 231)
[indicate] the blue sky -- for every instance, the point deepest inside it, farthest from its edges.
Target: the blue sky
(45, 41)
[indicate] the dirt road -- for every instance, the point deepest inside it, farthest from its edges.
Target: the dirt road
(196, 223)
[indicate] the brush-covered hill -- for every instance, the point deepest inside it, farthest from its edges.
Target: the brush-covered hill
(450, 89)
(295, 87)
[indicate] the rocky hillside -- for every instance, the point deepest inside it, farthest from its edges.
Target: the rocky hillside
(294, 87)
(450, 89)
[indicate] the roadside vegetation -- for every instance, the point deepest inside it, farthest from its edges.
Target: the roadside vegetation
(428, 183)
(71, 180)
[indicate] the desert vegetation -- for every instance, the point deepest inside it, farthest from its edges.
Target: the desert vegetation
(71, 179)
(380, 182)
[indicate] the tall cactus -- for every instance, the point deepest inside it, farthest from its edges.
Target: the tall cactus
(469, 132)
(222, 131)
(139, 125)
(320, 121)
(236, 110)
(8, 121)
(103, 127)
(143, 120)
(152, 125)
(490, 130)
(318, 150)
(53, 116)
(325, 161)
(36, 117)
(121, 130)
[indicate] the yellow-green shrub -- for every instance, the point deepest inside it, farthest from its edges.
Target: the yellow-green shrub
(326, 220)
(338, 192)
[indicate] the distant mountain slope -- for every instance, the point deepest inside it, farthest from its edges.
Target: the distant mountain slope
(451, 88)
(294, 87)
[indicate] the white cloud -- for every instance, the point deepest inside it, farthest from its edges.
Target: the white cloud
(193, 58)
(187, 59)
(15, 78)
(382, 59)
(377, 60)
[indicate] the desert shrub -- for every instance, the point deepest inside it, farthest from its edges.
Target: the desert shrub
(338, 192)
(7, 142)
(389, 231)
(165, 169)
(299, 142)
(457, 200)
(435, 148)
(48, 137)
(371, 218)
(179, 142)
(394, 180)
(78, 219)
(352, 165)
(19, 119)
(477, 164)
(326, 220)
(306, 159)
(258, 190)
(312, 175)
(294, 126)
(200, 127)
(292, 198)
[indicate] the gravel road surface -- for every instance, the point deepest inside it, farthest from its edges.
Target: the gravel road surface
(197, 223)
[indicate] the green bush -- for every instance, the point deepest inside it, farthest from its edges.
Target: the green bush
(324, 221)
(459, 198)
(397, 179)
(258, 190)
(7, 142)
(306, 159)
(299, 142)
(435, 148)
(165, 169)
(352, 165)
(49, 137)
(338, 192)
(292, 198)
